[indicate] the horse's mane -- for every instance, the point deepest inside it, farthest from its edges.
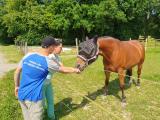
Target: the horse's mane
(108, 37)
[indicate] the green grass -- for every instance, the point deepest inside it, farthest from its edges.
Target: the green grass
(9, 106)
(10, 52)
(73, 90)
(142, 103)
(152, 64)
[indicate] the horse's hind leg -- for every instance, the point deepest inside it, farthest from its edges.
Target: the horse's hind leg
(129, 75)
(139, 73)
(121, 74)
(107, 74)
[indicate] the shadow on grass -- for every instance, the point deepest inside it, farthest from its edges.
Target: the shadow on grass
(66, 106)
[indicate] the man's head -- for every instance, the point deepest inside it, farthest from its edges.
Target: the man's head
(58, 48)
(49, 43)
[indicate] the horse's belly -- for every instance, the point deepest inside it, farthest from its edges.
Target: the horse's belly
(131, 64)
(123, 62)
(131, 61)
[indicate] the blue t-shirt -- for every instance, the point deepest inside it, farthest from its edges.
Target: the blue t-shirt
(35, 68)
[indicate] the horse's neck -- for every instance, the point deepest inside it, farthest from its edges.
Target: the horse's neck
(107, 47)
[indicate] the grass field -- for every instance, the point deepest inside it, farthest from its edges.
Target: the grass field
(80, 96)
(12, 54)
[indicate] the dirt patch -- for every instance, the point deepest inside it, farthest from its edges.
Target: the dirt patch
(4, 66)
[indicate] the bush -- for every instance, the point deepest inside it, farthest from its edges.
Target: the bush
(32, 38)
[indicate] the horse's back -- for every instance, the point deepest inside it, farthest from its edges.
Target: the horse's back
(139, 47)
(134, 51)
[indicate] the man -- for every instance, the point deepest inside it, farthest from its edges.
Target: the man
(33, 69)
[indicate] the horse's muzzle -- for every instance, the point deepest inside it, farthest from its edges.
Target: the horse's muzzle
(77, 66)
(80, 67)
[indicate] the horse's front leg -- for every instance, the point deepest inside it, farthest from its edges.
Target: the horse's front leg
(121, 74)
(107, 74)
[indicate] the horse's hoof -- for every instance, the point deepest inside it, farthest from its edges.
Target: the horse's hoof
(138, 85)
(124, 104)
(124, 100)
(130, 82)
(105, 94)
(103, 97)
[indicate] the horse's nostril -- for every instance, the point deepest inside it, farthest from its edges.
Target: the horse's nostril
(81, 69)
(77, 65)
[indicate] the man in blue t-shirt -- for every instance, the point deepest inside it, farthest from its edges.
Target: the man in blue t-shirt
(33, 69)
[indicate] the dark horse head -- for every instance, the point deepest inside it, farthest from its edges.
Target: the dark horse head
(88, 53)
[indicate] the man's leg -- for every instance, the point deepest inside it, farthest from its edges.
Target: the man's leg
(36, 110)
(25, 110)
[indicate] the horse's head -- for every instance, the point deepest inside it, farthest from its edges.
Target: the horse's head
(88, 53)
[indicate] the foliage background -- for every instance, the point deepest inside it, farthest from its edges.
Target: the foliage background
(31, 20)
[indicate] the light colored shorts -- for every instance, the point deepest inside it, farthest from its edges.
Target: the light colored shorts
(32, 110)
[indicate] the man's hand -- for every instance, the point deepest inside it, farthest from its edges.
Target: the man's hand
(16, 91)
(76, 70)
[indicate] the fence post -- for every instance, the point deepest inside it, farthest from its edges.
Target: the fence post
(155, 43)
(146, 40)
(25, 48)
(76, 45)
(15, 43)
(22, 47)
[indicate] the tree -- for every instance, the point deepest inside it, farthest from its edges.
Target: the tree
(67, 19)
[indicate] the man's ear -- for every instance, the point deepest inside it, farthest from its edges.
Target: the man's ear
(51, 49)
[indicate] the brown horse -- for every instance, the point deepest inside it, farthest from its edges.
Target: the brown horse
(118, 56)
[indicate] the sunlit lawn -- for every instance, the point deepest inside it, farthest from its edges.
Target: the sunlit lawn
(11, 53)
(142, 103)
(80, 96)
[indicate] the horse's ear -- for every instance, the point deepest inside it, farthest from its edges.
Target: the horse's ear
(95, 39)
(87, 38)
